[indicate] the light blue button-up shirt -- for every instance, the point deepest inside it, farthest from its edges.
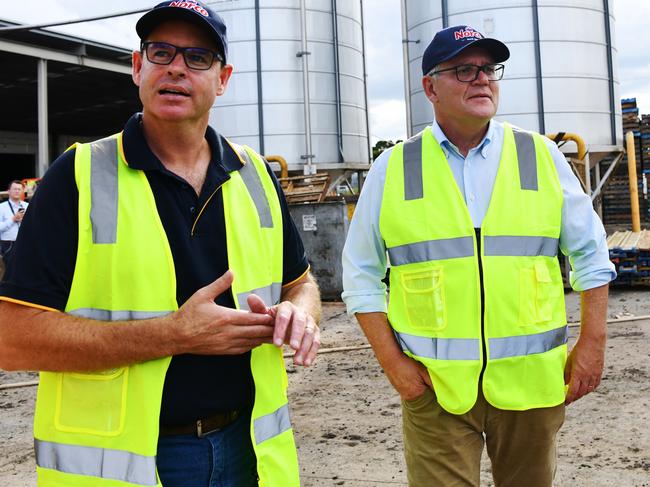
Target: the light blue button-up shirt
(582, 236)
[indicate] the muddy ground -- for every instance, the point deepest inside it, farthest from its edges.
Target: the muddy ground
(347, 417)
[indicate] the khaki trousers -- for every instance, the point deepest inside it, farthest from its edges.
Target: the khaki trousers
(444, 449)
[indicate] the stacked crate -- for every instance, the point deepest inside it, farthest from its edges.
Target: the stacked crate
(630, 116)
(616, 195)
(645, 156)
(630, 253)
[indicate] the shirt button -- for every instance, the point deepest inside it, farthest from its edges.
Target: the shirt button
(472, 197)
(192, 209)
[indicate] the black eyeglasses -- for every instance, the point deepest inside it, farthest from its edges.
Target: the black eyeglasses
(194, 57)
(469, 72)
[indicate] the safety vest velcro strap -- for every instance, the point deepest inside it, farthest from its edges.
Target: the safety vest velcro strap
(412, 156)
(519, 246)
(103, 190)
(440, 348)
(116, 315)
(447, 248)
(254, 185)
(273, 424)
(517, 346)
(526, 159)
(97, 462)
(270, 295)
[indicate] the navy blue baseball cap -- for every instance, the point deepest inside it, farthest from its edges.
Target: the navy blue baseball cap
(190, 11)
(451, 41)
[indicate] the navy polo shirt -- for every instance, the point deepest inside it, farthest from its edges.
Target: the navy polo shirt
(41, 268)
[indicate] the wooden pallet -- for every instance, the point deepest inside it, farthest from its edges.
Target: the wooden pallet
(629, 240)
(305, 189)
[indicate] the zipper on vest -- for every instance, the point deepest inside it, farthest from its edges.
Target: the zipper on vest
(196, 220)
(482, 286)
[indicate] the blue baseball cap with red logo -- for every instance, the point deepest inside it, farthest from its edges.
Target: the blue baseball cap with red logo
(451, 41)
(186, 10)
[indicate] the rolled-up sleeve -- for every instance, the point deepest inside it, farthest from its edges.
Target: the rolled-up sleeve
(582, 236)
(364, 253)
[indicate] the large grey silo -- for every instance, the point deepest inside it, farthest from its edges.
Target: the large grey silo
(264, 104)
(562, 73)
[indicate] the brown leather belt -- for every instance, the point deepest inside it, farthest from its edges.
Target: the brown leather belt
(202, 427)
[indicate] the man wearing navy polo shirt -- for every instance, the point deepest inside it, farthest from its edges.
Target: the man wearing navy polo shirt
(165, 240)
(472, 212)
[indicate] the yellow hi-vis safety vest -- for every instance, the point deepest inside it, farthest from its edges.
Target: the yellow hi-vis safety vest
(101, 429)
(438, 270)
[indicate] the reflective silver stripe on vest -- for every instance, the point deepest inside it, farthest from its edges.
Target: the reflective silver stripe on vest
(103, 190)
(96, 462)
(520, 246)
(447, 248)
(269, 294)
(527, 159)
(255, 189)
(112, 315)
(266, 427)
(412, 160)
(440, 348)
(517, 346)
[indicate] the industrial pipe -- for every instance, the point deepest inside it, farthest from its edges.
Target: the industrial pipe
(634, 189)
(407, 71)
(337, 80)
(284, 169)
(309, 168)
(582, 147)
(583, 155)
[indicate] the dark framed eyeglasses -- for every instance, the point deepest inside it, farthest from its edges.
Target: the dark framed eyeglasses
(194, 57)
(470, 72)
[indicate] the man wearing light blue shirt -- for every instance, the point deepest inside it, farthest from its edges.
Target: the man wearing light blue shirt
(11, 215)
(446, 422)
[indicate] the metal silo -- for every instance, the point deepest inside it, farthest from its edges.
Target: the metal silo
(276, 65)
(561, 76)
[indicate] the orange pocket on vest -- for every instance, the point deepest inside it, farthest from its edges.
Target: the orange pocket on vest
(93, 403)
(424, 299)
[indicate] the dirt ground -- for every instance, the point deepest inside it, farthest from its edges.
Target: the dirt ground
(347, 417)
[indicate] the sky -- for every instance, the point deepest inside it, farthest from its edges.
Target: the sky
(383, 47)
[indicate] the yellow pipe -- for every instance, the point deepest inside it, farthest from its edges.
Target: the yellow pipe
(582, 147)
(284, 169)
(634, 188)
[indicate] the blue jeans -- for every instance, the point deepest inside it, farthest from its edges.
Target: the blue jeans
(224, 458)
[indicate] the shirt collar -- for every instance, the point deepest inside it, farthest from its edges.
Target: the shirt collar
(139, 155)
(447, 145)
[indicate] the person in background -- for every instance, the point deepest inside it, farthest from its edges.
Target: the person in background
(472, 212)
(12, 212)
(165, 274)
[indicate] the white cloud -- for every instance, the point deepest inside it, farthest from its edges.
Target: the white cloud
(632, 37)
(118, 31)
(383, 46)
(387, 120)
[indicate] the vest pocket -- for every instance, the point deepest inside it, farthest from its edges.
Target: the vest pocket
(92, 403)
(424, 299)
(538, 294)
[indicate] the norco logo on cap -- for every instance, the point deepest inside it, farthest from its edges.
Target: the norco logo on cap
(191, 6)
(465, 33)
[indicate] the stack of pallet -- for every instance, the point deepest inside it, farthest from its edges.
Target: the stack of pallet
(630, 116)
(616, 195)
(305, 189)
(645, 157)
(630, 253)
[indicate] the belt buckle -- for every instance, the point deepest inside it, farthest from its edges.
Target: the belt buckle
(199, 429)
(233, 415)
